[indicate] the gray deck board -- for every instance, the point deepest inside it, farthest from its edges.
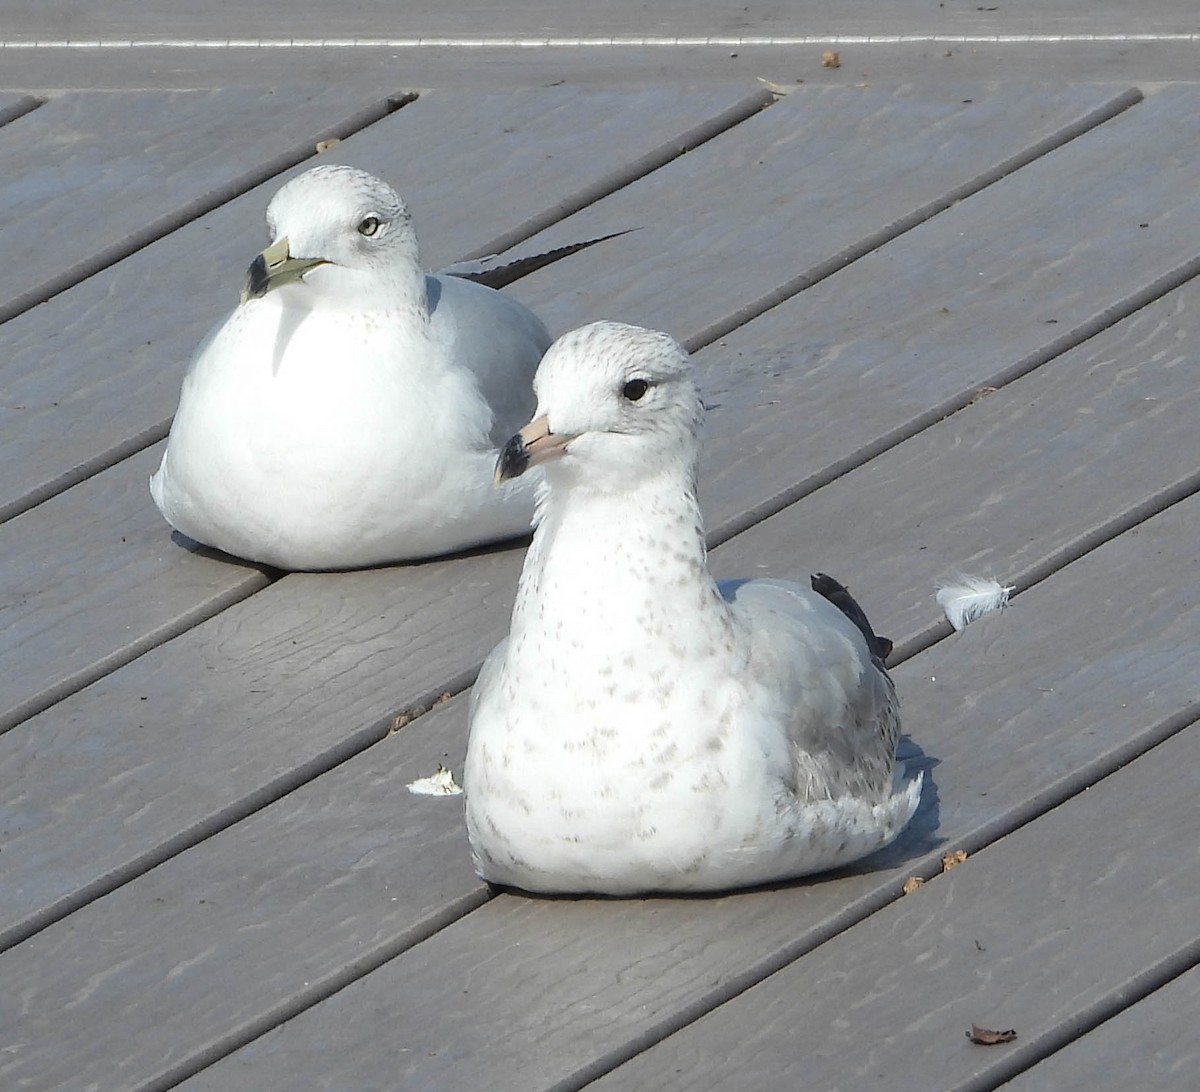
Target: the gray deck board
(770, 201)
(206, 728)
(656, 267)
(1019, 937)
(65, 624)
(981, 294)
(211, 872)
(1150, 1046)
(408, 645)
(1014, 485)
(64, 628)
(527, 993)
(105, 379)
(366, 794)
(142, 158)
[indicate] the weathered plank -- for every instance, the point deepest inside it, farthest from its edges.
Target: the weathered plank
(747, 492)
(465, 150)
(1008, 487)
(531, 993)
(769, 202)
(412, 645)
(92, 177)
(336, 859)
(1150, 1045)
(64, 624)
(983, 292)
(997, 762)
(210, 726)
(98, 368)
(80, 628)
(1039, 932)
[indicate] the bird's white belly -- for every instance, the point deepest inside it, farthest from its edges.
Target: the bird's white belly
(317, 454)
(590, 791)
(678, 794)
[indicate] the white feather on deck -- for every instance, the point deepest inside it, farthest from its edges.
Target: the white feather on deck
(440, 783)
(971, 597)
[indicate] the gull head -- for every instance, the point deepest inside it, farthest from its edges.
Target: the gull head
(616, 405)
(341, 233)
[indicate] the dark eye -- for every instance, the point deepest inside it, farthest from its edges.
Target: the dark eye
(634, 389)
(369, 226)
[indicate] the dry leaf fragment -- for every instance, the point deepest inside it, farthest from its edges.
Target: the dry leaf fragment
(982, 392)
(984, 1037)
(952, 859)
(912, 883)
(831, 59)
(325, 145)
(406, 716)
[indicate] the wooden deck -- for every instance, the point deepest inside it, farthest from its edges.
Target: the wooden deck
(942, 324)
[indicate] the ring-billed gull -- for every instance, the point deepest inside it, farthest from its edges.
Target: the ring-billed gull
(643, 728)
(349, 411)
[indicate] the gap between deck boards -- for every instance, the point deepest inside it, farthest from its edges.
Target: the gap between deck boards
(914, 219)
(366, 738)
(603, 187)
(608, 184)
(1050, 797)
(20, 108)
(194, 209)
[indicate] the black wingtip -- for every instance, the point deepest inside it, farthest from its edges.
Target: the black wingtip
(839, 595)
(500, 276)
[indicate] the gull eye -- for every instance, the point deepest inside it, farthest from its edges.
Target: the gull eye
(635, 389)
(369, 226)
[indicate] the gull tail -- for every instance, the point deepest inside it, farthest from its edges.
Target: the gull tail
(971, 597)
(839, 595)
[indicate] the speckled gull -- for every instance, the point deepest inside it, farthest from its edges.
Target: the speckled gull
(643, 728)
(349, 411)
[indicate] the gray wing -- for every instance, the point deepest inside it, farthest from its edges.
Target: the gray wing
(500, 340)
(840, 707)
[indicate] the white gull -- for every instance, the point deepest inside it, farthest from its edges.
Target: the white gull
(643, 728)
(349, 411)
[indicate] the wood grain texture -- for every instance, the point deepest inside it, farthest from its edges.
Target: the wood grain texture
(330, 880)
(791, 189)
(92, 172)
(981, 294)
(99, 366)
(214, 724)
(729, 386)
(535, 993)
(1150, 1045)
(1032, 934)
(93, 578)
(414, 620)
(246, 711)
(1006, 486)
(995, 755)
